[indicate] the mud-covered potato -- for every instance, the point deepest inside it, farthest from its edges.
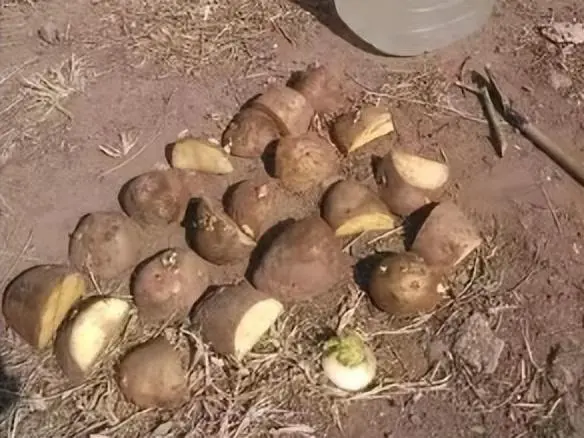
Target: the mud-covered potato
(249, 133)
(355, 129)
(320, 86)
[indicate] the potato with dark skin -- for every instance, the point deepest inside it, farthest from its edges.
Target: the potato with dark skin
(305, 162)
(235, 317)
(306, 260)
(39, 299)
(167, 285)
(153, 375)
(320, 86)
(249, 133)
(106, 244)
(216, 237)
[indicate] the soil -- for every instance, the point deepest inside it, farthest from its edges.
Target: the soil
(529, 210)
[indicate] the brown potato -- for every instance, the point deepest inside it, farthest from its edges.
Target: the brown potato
(320, 87)
(287, 107)
(200, 155)
(249, 133)
(234, 318)
(105, 243)
(153, 375)
(257, 205)
(304, 261)
(216, 237)
(84, 339)
(355, 129)
(166, 286)
(156, 198)
(402, 284)
(305, 162)
(352, 208)
(446, 237)
(406, 181)
(39, 299)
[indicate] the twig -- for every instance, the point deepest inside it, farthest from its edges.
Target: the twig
(130, 159)
(496, 133)
(552, 209)
(386, 234)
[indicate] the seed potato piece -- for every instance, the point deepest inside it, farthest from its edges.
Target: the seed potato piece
(84, 339)
(216, 237)
(153, 375)
(156, 198)
(406, 181)
(402, 284)
(234, 318)
(38, 300)
(166, 286)
(352, 208)
(446, 237)
(287, 107)
(305, 162)
(106, 243)
(304, 261)
(320, 87)
(200, 155)
(355, 129)
(249, 133)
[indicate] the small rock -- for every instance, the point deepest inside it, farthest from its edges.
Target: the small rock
(478, 346)
(163, 429)
(565, 33)
(49, 33)
(559, 80)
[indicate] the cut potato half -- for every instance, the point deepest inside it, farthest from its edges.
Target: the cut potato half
(354, 130)
(419, 171)
(196, 154)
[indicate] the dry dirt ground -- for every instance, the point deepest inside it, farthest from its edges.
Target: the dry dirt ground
(128, 76)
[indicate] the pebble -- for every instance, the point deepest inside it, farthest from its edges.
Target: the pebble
(50, 33)
(559, 80)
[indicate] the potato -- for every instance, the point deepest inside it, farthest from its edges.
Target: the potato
(234, 318)
(305, 162)
(83, 340)
(153, 375)
(446, 237)
(201, 155)
(319, 86)
(406, 181)
(355, 129)
(167, 285)
(249, 133)
(105, 243)
(287, 107)
(257, 205)
(402, 284)
(155, 198)
(352, 208)
(216, 237)
(38, 300)
(304, 261)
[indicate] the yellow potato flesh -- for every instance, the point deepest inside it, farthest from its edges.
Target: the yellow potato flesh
(198, 155)
(420, 172)
(376, 127)
(365, 222)
(256, 321)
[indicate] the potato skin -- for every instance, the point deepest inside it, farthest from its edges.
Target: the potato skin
(167, 285)
(319, 86)
(305, 162)
(153, 375)
(155, 198)
(106, 243)
(249, 133)
(26, 296)
(304, 261)
(402, 284)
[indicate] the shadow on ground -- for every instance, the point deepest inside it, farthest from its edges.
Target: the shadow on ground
(9, 388)
(324, 11)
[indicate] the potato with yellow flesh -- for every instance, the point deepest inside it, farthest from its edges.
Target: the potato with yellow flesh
(446, 237)
(234, 318)
(406, 181)
(167, 285)
(39, 299)
(216, 237)
(352, 208)
(153, 375)
(287, 107)
(402, 284)
(319, 86)
(105, 243)
(201, 155)
(157, 197)
(304, 261)
(84, 339)
(257, 205)
(355, 129)
(249, 133)
(304, 162)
